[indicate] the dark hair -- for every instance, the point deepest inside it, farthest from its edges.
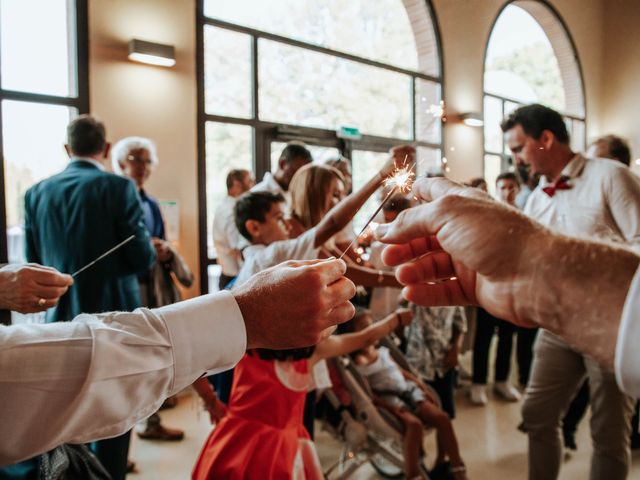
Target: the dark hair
(86, 135)
(618, 148)
(350, 325)
(282, 355)
(536, 118)
(253, 206)
(476, 182)
(397, 203)
(508, 176)
(295, 150)
(235, 175)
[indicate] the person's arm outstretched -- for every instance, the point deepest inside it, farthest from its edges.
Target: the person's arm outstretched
(340, 215)
(336, 345)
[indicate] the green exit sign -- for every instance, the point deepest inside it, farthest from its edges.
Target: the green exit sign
(351, 133)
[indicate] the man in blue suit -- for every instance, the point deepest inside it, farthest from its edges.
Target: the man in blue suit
(73, 217)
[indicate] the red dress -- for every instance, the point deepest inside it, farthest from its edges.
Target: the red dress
(262, 435)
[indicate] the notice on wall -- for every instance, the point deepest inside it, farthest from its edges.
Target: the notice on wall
(171, 214)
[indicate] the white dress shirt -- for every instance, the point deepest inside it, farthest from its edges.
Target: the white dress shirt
(261, 257)
(603, 202)
(226, 237)
(627, 362)
(269, 184)
(95, 377)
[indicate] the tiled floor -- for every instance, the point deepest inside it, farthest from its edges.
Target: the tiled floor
(490, 444)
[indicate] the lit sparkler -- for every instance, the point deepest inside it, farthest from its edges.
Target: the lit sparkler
(400, 180)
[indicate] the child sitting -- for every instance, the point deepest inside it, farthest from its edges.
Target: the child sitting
(262, 435)
(411, 401)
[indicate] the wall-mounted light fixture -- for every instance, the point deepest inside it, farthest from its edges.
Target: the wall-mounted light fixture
(471, 119)
(152, 53)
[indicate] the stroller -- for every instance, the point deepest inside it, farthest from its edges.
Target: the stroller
(368, 433)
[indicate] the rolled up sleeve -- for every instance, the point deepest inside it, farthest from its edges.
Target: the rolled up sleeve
(627, 361)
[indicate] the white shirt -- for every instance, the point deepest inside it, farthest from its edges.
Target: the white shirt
(269, 184)
(627, 362)
(226, 236)
(261, 257)
(95, 377)
(384, 374)
(93, 162)
(384, 300)
(603, 202)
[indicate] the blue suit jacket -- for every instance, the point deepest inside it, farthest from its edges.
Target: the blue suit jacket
(73, 217)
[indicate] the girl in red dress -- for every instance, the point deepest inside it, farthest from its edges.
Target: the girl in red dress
(262, 435)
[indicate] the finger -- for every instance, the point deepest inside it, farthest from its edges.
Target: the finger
(430, 189)
(304, 263)
(441, 294)
(52, 277)
(35, 306)
(398, 254)
(341, 313)
(428, 268)
(330, 270)
(340, 291)
(50, 293)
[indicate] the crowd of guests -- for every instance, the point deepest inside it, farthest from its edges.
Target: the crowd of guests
(264, 410)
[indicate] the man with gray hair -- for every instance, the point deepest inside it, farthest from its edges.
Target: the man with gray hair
(136, 157)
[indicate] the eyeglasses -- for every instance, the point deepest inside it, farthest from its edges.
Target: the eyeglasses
(139, 160)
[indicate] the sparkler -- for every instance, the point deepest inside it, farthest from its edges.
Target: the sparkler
(108, 252)
(400, 180)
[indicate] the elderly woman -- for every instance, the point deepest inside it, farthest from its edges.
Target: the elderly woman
(136, 157)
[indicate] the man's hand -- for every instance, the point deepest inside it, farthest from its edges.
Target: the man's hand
(295, 304)
(400, 156)
(31, 288)
(163, 249)
(463, 248)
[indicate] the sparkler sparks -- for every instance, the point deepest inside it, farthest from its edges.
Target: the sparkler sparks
(400, 180)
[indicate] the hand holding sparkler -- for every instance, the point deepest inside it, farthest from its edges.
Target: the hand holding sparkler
(399, 157)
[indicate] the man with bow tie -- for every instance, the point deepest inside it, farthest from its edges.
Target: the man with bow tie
(580, 197)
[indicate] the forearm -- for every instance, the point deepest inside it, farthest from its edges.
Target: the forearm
(205, 390)
(580, 295)
(341, 214)
(121, 365)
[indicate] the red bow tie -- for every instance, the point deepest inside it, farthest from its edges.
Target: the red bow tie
(561, 184)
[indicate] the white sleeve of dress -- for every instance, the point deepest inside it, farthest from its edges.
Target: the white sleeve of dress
(97, 376)
(627, 362)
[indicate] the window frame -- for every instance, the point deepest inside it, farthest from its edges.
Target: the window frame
(265, 132)
(80, 101)
(504, 154)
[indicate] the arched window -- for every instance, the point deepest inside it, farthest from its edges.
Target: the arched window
(272, 72)
(530, 58)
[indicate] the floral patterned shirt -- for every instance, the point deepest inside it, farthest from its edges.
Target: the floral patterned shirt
(429, 337)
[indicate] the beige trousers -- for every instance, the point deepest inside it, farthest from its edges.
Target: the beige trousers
(557, 373)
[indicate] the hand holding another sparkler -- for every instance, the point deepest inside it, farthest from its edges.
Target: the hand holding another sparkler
(399, 157)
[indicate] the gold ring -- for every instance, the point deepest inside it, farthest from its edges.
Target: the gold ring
(41, 302)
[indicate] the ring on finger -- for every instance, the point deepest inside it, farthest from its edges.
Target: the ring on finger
(41, 302)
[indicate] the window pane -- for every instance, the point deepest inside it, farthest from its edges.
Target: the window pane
(319, 154)
(37, 50)
(520, 61)
(428, 111)
(228, 146)
(302, 87)
(429, 161)
(27, 161)
(227, 76)
(510, 107)
(364, 165)
(492, 168)
(492, 119)
(382, 31)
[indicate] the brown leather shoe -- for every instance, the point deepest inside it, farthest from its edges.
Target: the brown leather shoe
(158, 432)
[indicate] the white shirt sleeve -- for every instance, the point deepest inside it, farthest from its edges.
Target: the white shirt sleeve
(97, 376)
(301, 248)
(627, 361)
(623, 194)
